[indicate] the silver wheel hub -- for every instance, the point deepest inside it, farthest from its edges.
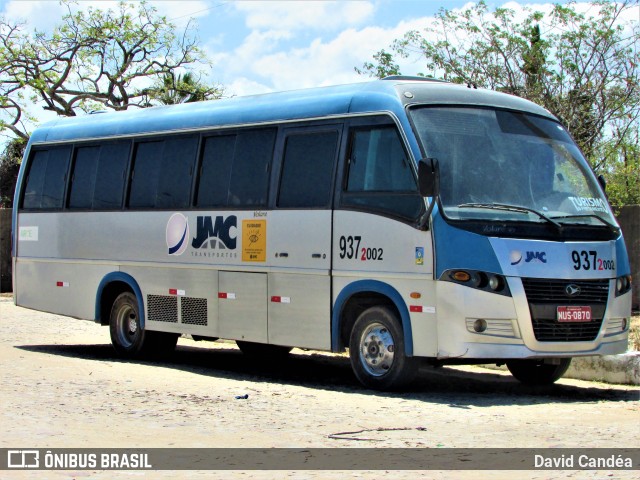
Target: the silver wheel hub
(376, 349)
(133, 324)
(127, 325)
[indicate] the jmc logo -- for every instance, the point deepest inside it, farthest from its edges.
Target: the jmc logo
(216, 233)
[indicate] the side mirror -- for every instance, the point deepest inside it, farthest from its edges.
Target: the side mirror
(602, 182)
(428, 177)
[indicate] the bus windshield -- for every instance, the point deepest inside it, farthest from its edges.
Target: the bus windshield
(498, 165)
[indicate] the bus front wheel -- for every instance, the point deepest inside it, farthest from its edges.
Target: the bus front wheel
(377, 351)
(536, 372)
(128, 337)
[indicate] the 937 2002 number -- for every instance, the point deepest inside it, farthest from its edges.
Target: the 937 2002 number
(588, 260)
(350, 248)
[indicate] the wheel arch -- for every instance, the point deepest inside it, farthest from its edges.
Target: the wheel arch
(357, 297)
(112, 285)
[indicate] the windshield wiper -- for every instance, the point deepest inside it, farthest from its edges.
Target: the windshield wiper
(512, 208)
(611, 226)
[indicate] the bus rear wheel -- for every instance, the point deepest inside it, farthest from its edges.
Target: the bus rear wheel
(128, 337)
(377, 351)
(536, 372)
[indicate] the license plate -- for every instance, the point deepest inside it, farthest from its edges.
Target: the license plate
(574, 314)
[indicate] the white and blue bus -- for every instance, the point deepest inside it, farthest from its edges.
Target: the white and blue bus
(404, 219)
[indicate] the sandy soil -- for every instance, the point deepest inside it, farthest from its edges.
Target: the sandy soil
(61, 385)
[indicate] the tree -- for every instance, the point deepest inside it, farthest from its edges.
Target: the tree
(583, 67)
(172, 89)
(9, 167)
(93, 60)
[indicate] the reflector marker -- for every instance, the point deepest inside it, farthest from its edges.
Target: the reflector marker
(62, 284)
(175, 291)
(276, 299)
(227, 295)
(422, 309)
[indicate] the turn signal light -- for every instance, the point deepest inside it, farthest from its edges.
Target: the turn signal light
(460, 276)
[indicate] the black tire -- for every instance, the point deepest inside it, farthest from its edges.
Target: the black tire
(263, 351)
(377, 351)
(536, 372)
(128, 338)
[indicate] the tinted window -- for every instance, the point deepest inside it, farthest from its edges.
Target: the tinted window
(98, 176)
(217, 158)
(249, 182)
(162, 173)
(379, 175)
(235, 169)
(46, 179)
(84, 177)
(378, 163)
(307, 170)
(111, 175)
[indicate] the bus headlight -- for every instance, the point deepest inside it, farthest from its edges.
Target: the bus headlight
(496, 283)
(623, 285)
(489, 282)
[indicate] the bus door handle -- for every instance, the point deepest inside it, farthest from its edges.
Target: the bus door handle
(282, 254)
(316, 255)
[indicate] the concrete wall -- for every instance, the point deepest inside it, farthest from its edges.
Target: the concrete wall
(629, 218)
(5, 250)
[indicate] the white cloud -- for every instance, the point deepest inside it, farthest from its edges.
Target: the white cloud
(319, 62)
(304, 15)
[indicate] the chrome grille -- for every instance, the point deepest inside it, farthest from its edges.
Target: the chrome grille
(544, 296)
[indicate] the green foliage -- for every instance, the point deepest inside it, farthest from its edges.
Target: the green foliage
(384, 68)
(93, 59)
(10, 161)
(583, 67)
(621, 170)
(172, 89)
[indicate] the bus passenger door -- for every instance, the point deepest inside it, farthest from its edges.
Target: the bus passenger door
(299, 238)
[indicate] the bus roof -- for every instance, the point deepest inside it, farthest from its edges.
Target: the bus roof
(388, 95)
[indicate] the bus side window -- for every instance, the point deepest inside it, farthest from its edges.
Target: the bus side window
(46, 180)
(379, 175)
(215, 170)
(249, 180)
(234, 169)
(97, 181)
(162, 173)
(307, 170)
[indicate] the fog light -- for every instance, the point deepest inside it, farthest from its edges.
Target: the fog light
(480, 325)
(624, 324)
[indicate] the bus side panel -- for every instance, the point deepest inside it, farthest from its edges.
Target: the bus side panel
(243, 310)
(299, 310)
(368, 246)
(179, 300)
(59, 287)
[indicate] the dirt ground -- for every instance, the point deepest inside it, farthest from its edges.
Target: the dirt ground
(61, 385)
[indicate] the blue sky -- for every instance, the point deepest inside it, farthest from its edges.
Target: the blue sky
(262, 46)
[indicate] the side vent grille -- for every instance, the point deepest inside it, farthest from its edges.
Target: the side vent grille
(194, 311)
(162, 308)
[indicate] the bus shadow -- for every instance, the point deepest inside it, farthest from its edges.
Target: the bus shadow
(456, 388)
